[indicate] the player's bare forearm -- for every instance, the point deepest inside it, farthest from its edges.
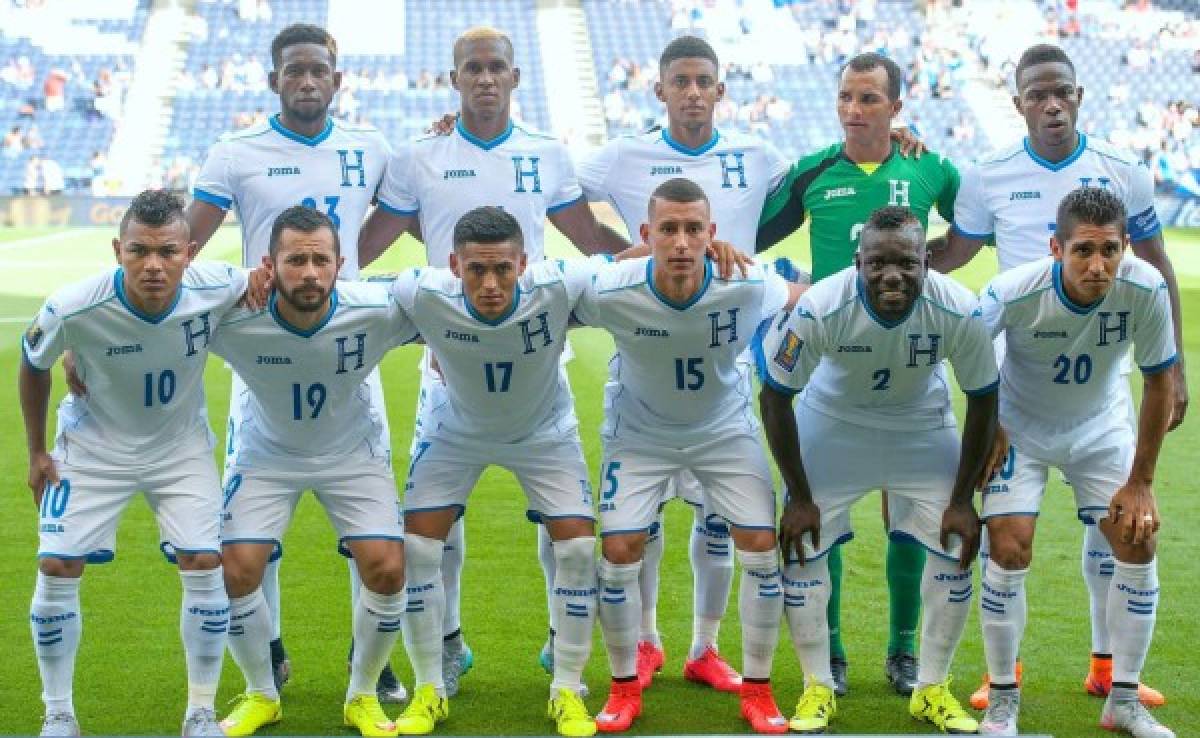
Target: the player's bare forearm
(380, 231)
(1153, 422)
(578, 223)
(34, 389)
(203, 219)
(951, 251)
(779, 424)
(979, 434)
(1154, 251)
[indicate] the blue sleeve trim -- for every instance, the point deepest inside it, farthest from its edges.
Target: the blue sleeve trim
(1159, 368)
(563, 205)
(983, 390)
(29, 362)
(396, 211)
(1143, 225)
(212, 198)
(968, 234)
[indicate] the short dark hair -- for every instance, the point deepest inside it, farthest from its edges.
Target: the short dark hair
(687, 47)
(154, 208)
(677, 189)
(1041, 54)
(305, 220)
(870, 60)
(891, 218)
(301, 33)
(488, 224)
(1091, 205)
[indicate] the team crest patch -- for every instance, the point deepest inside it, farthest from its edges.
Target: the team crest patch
(789, 351)
(33, 336)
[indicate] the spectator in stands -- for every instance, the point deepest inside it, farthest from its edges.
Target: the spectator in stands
(208, 77)
(33, 139)
(13, 144)
(1196, 62)
(53, 181)
(97, 164)
(33, 174)
(963, 131)
(1138, 57)
(54, 90)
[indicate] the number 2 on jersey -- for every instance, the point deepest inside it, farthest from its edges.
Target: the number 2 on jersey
(331, 203)
(881, 377)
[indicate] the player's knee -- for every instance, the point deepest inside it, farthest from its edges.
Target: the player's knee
(65, 568)
(240, 578)
(1139, 553)
(203, 561)
(575, 554)
(624, 549)
(753, 540)
(382, 570)
(1010, 552)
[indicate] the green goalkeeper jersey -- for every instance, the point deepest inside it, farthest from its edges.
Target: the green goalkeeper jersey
(838, 195)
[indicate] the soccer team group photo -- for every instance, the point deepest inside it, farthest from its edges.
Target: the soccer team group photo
(758, 342)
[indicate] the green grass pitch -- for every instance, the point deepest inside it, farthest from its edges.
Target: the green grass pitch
(130, 675)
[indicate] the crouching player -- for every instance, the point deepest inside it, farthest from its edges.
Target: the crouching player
(866, 345)
(307, 423)
(1068, 320)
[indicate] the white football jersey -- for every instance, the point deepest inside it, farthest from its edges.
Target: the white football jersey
(1014, 194)
(144, 374)
(859, 368)
(676, 374)
(736, 171)
(439, 178)
(264, 169)
(502, 378)
(1062, 363)
(308, 400)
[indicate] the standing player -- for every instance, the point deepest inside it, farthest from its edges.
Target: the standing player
(736, 172)
(1014, 194)
(682, 403)
(1068, 323)
(299, 156)
(835, 188)
(140, 334)
(487, 159)
(868, 343)
(307, 423)
(498, 326)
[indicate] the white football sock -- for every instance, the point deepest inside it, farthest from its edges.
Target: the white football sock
(575, 606)
(426, 609)
(1002, 614)
(204, 625)
(270, 590)
(805, 603)
(711, 552)
(454, 552)
(377, 621)
(1132, 608)
(546, 558)
(760, 605)
(355, 583)
(57, 625)
(250, 642)
(945, 604)
(648, 585)
(620, 604)
(1098, 563)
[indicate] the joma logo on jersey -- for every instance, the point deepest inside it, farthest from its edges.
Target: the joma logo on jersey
(651, 332)
(854, 349)
(458, 173)
(1049, 334)
(457, 336)
(52, 528)
(132, 348)
(1025, 195)
(665, 171)
(839, 192)
(274, 360)
(282, 171)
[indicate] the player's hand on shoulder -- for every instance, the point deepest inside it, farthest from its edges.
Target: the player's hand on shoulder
(443, 126)
(258, 288)
(961, 519)
(727, 258)
(42, 474)
(70, 369)
(911, 147)
(633, 252)
(1134, 512)
(799, 517)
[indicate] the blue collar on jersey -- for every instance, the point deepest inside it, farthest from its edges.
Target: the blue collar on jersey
(668, 301)
(485, 145)
(666, 136)
(333, 303)
(290, 134)
(1068, 303)
(1056, 166)
(119, 287)
(500, 318)
(866, 303)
